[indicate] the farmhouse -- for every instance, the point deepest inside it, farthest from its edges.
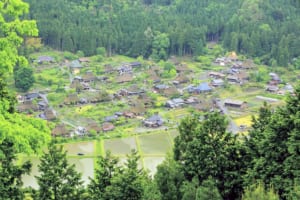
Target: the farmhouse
(75, 66)
(181, 79)
(216, 75)
(42, 105)
(202, 88)
(106, 126)
(45, 59)
(171, 92)
(27, 106)
(235, 104)
(181, 68)
(160, 87)
(275, 79)
(192, 100)
(217, 82)
(48, 114)
(135, 64)
(93, 126)
(88, 77)
(32, 96)
(71, 99)
(174, 103)
(84, 60)
(272, 88)
(124, 78)
(60, 130)
(154, 121)
(233, 79)
(111, 118)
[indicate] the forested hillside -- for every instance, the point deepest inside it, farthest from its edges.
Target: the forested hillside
(159, 28)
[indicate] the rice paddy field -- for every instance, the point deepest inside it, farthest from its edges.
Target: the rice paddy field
(152, 149)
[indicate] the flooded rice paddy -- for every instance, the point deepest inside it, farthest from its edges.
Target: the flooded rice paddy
(152, 148)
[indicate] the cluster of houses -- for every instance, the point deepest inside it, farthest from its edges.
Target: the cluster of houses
(178, 91)
(273, 85)
(36, 102)
(235, 73)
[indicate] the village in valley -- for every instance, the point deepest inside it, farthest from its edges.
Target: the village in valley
(86, 98)
(120, 103)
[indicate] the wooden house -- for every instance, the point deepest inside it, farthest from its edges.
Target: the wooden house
(124, 78)
(235, 103)
(60, 130)
(106, 126)
(153, 121)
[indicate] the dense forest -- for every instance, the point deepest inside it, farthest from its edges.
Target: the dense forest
(159, 28)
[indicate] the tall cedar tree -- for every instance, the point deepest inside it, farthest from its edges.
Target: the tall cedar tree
(107, 167)
(11, 174)
(169, 179)
(208, 150)
(278, 157)
(128, 184)
(58, 180)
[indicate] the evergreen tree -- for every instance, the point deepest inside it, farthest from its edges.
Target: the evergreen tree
(10, 173)
(107, 167)
(278, 157)
(258, 192)
(24, 78)
(58, 180)
(208, 191)
(169, 179)
(128, 184)
(213, 152)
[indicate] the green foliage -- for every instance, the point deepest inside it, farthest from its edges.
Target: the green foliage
(208, 191)
(13, 29)
(275, 147)
(24, 78)
(69, 56)
(163, 27)
(101, 51)
(58, 179)
(160, 45)
(204, 149)
(10, 173)
(80, 53)
(105, 170)
(169, 179)
(258, 192)
(129, 183)
(169, 70)
(115, 182)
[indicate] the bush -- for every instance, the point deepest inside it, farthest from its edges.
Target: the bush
(101, 51)
(69, 56)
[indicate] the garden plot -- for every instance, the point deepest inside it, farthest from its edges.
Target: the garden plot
(151, 163)
(156, 144)
(85, 166)
(120, 146)
(85, 148)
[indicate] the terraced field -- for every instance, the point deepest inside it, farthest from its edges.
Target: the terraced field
(151, 147)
